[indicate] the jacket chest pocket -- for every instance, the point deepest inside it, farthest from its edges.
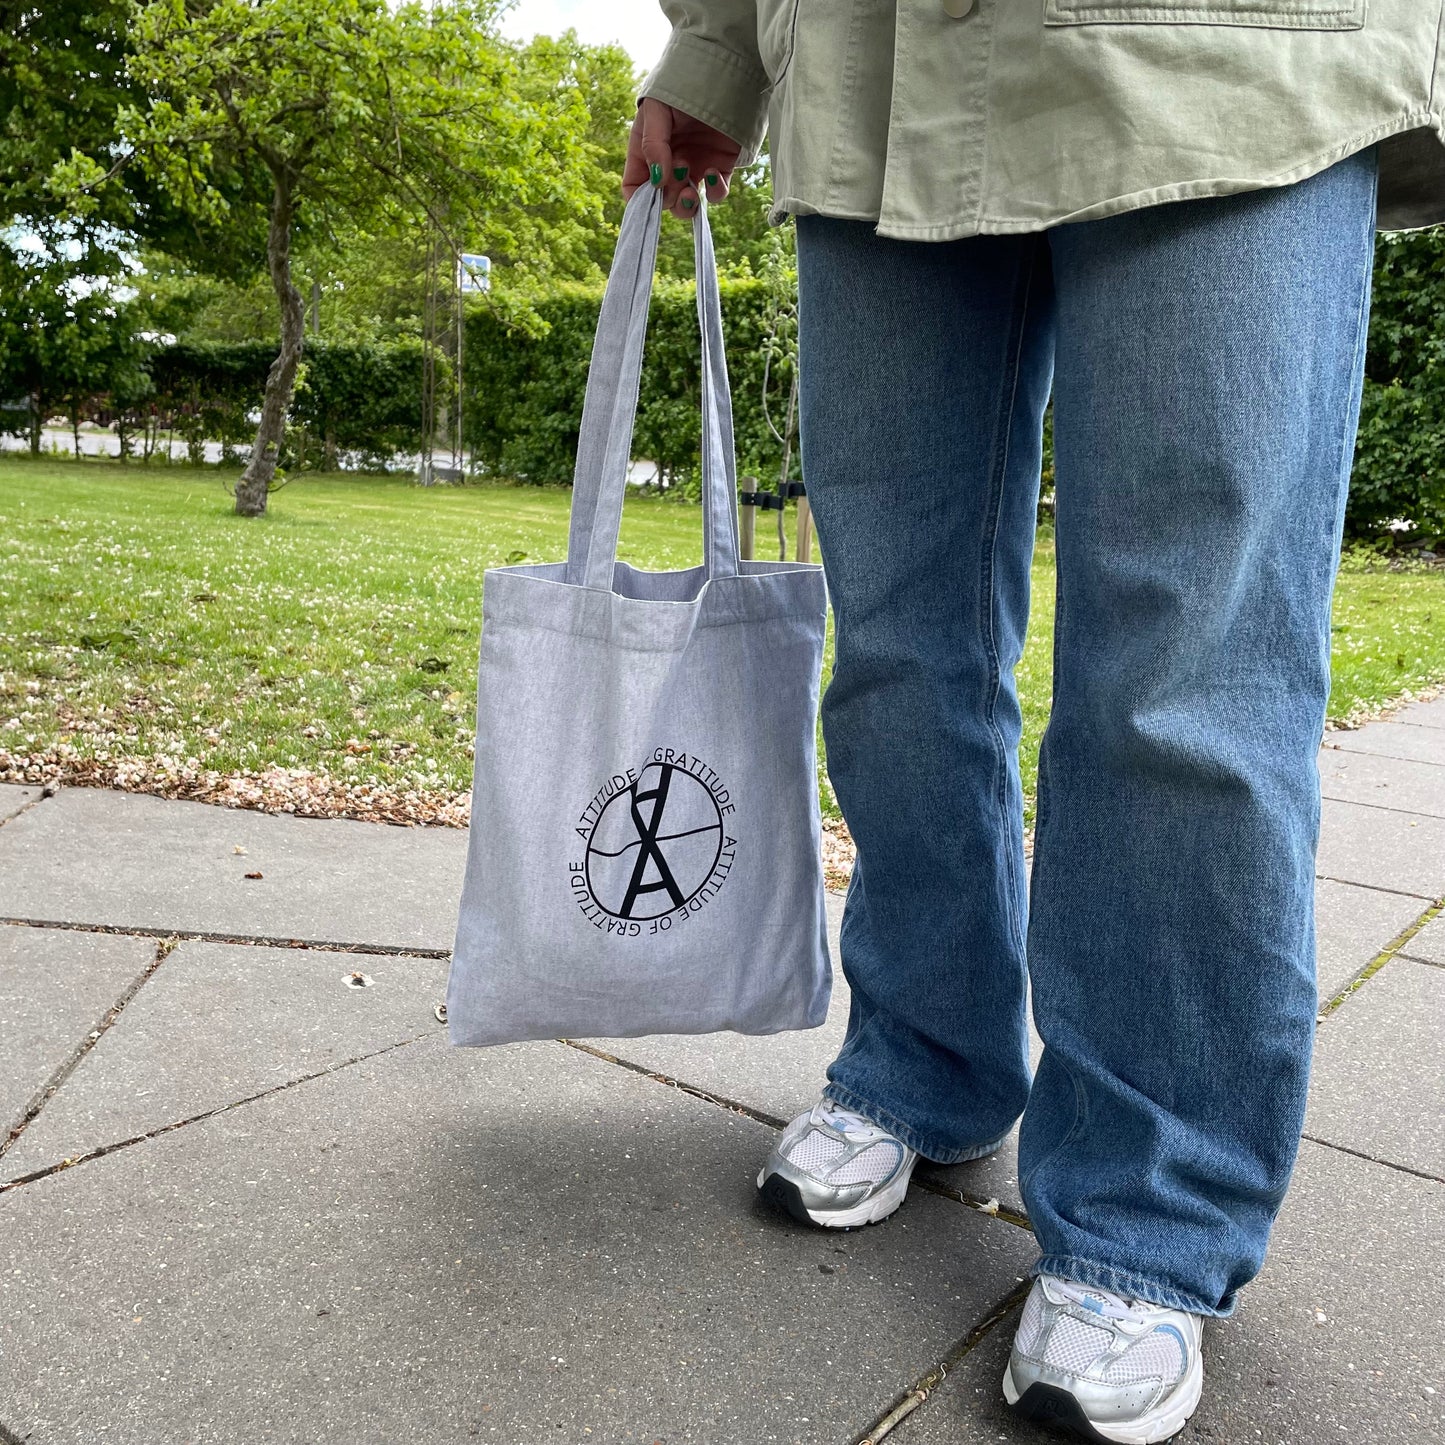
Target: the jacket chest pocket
(1264, 14)
(777, 27)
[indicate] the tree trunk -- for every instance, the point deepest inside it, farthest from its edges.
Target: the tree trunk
(37, 421)
(255, 482)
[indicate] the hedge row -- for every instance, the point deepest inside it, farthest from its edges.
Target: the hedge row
(524, 392)
(362, 399)
(1400, 458)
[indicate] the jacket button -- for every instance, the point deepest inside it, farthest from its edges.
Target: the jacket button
(957, 8)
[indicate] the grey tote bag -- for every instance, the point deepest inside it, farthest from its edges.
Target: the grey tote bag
(645, 851)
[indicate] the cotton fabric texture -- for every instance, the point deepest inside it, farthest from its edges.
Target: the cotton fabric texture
(939, 119)
(645, 849)
(1206, 361)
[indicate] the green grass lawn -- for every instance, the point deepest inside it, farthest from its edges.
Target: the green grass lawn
(140, 619)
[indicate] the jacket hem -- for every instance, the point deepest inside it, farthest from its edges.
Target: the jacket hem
(959, 228)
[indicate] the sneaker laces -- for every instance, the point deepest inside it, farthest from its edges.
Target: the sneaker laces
(828, 1114)
(1102, 1301)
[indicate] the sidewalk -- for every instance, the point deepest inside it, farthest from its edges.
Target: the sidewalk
(254, 1202)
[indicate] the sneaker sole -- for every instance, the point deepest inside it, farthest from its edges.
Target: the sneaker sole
(786, 1197)
(1050, 1406)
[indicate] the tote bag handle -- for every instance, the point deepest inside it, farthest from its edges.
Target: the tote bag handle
(609, 411)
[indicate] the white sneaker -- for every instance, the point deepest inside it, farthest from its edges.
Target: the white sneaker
(835, 1168)
(1104, 1367)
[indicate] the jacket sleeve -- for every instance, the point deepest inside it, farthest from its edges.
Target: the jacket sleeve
(710, 69)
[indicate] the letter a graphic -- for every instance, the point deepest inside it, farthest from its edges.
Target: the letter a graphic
(648, 849)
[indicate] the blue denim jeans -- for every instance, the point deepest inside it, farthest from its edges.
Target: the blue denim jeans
(1205, 359)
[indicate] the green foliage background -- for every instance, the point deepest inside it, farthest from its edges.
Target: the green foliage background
(525, 392)
(1400, 457)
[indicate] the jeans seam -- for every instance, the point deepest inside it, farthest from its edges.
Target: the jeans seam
(1076, 1127)
(1010, 404)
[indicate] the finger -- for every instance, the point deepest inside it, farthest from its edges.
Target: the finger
(679, 189)
(686, 207)
(634, 176)
(716, 185)
(655, 118)
(634, 168)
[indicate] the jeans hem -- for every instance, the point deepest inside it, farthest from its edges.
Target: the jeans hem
(1130, 1285)
(930, 1147)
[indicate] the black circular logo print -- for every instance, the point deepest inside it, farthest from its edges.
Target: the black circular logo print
(656, 844)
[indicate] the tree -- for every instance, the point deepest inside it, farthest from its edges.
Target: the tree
(66, 339)
(359, 116)
(64, 76)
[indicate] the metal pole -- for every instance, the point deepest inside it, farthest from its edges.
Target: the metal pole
(461, 332)
(787, 466)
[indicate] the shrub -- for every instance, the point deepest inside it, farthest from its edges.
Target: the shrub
(525, 392)
(1400, 459)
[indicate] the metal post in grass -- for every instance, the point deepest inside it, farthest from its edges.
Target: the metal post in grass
(748, 516)
(474, 277)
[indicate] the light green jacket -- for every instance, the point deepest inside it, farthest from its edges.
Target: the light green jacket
(945, 118)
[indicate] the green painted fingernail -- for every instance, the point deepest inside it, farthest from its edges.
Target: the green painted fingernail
(687, 202)
(711, 178)
(656, 174)
(679, 173)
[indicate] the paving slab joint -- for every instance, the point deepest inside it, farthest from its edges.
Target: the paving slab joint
(734, 1106)
(103, 1149)
(667, 1080)
(991, 1207)
(1372, 1159)
(922, 1388)
(1373, 887)
(244, 940)
(1393, 947)
(1415, 958)
(47, 790)
(48, 1090)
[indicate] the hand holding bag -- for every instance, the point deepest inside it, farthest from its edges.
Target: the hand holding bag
(645, 838)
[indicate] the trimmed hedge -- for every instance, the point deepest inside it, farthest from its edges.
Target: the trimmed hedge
(1400, 459)
(525, 392)
(361, 398)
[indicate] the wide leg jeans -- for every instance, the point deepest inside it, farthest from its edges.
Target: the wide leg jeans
(1205, 361)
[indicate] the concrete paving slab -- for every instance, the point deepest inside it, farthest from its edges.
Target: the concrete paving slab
(782, 1074)
(1377, 1086)
(1380, 848)
(1407, 740)
(90, 856)
(220, 1022)
(1422, 714)
(1429, 943)
(15, 796)
(1352, 925)
(1347, 1247)
(55, 988)
(519, 1245)
(1384, 782)
(776, 1075)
